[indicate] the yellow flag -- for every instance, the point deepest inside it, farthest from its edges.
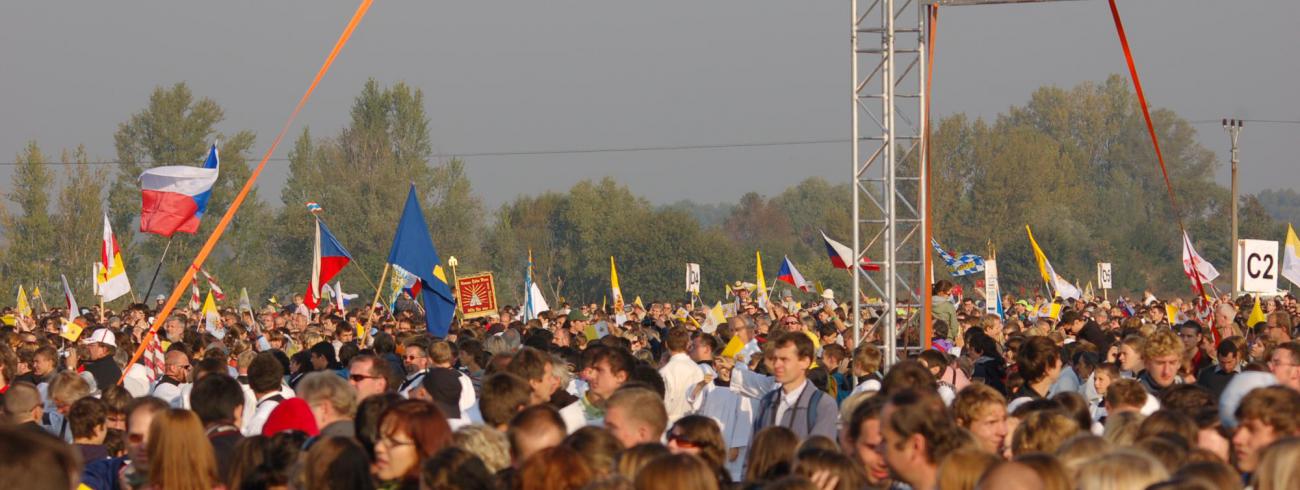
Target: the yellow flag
(24, 308)
(638, 302)
(1054, 311)
(615, 292)
(733, 347)
(36, 292)
(1256, 315)
(1171, 313)
(717, 314)
(1291, 256)
(1043, 264)
(762, 283)
(71, 330)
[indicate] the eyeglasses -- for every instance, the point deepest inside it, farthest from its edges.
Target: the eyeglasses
(135, 438)
(357, 378)
(411, 357)
(682, 441)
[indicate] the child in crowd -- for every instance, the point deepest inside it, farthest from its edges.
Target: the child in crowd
(1105, 374)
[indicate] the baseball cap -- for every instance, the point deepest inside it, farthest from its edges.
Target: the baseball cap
(102, 336)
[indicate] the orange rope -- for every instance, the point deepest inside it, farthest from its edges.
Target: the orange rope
(243, 193)
(927, 317)
(1195, 276)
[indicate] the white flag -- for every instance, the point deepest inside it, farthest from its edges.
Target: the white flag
(1203, 268)
(537, 301)
(1291, 257)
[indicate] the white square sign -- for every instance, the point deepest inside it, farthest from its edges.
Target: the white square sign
(1257, 266)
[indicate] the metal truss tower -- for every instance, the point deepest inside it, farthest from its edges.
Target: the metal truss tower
(889, 120)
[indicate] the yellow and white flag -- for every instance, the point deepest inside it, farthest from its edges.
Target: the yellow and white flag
(210, 314)
(111, 281)
(761, 297)
(613, 286)
(1060, 287)
(24, 308)
(1291, 257)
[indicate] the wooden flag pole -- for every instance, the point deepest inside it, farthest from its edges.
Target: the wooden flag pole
(371, 316)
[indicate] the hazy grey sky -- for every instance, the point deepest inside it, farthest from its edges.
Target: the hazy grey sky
(565, 74)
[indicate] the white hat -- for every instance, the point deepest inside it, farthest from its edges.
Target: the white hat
(102, 336)
(828, 293)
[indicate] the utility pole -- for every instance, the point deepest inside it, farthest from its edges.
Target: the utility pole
(1233, 126)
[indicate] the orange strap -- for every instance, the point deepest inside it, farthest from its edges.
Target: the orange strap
(932, 21)
(243, 193)
(1199, 287)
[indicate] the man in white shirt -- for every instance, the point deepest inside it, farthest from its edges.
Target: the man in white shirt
(176, 369)
(679, 374)
(265, 376)
(733, 413)
(796, 404)
(605, 369)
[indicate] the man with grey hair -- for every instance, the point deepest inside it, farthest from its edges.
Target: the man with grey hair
(333, 403)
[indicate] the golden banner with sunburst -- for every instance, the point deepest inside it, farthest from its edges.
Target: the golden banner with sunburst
(477, 295)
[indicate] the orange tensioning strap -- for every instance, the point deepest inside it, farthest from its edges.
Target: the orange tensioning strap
(252, 179)
(1146, 113)
(928, 284)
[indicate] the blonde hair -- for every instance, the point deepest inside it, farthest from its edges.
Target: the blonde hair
(974, 401)
(1043, 431)
(180, 456)
(1078, 450)
(962, 468)
(1122, 428)
(1277, 469)
(1162, 343)
(490, 445)
(1121, 469)
(68, 387)
(1049, 469)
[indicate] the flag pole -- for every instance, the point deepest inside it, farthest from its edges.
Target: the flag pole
(157, 269)
(371, 316)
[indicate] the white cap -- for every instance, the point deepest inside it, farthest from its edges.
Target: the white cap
(102, 336)
(828, 293)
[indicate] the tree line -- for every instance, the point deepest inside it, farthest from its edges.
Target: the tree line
(1076, 164)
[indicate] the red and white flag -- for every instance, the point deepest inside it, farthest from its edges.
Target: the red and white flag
(154, 359)
(212, 285)
(196, 300)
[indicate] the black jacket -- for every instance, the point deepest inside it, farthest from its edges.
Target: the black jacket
(105, 371)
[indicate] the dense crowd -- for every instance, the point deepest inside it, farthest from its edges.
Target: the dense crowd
(1085, 394)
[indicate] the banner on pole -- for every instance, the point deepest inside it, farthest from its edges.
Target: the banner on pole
(477, 295)
(1257, 266)
(1103, 275)
(693, 278)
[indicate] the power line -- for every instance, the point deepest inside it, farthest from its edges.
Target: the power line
(1256, 121)
(572, 151)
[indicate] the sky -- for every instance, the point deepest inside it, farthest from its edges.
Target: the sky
(514, 76)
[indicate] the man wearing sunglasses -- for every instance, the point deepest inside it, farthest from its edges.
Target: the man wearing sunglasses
(415, 357)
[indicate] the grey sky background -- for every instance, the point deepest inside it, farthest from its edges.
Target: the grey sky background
(571, 74)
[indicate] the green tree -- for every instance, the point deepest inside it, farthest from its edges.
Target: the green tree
(30, 233)
(360, 178)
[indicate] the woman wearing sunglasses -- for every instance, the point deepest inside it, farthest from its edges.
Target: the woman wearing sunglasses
(700, 436)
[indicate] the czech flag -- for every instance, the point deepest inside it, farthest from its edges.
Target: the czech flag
(174, 197)
(791, 275)
(328, 258)
(841, 256)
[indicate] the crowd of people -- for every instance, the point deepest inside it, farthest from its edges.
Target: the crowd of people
(782, 395)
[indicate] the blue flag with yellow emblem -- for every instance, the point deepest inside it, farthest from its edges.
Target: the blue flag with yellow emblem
(414, 252)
